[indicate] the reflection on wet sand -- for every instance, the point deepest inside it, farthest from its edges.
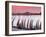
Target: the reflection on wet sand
(26, 23)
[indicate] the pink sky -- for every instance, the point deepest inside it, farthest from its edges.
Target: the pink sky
(23, 9)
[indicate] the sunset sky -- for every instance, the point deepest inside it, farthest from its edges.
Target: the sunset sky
(23, 9)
